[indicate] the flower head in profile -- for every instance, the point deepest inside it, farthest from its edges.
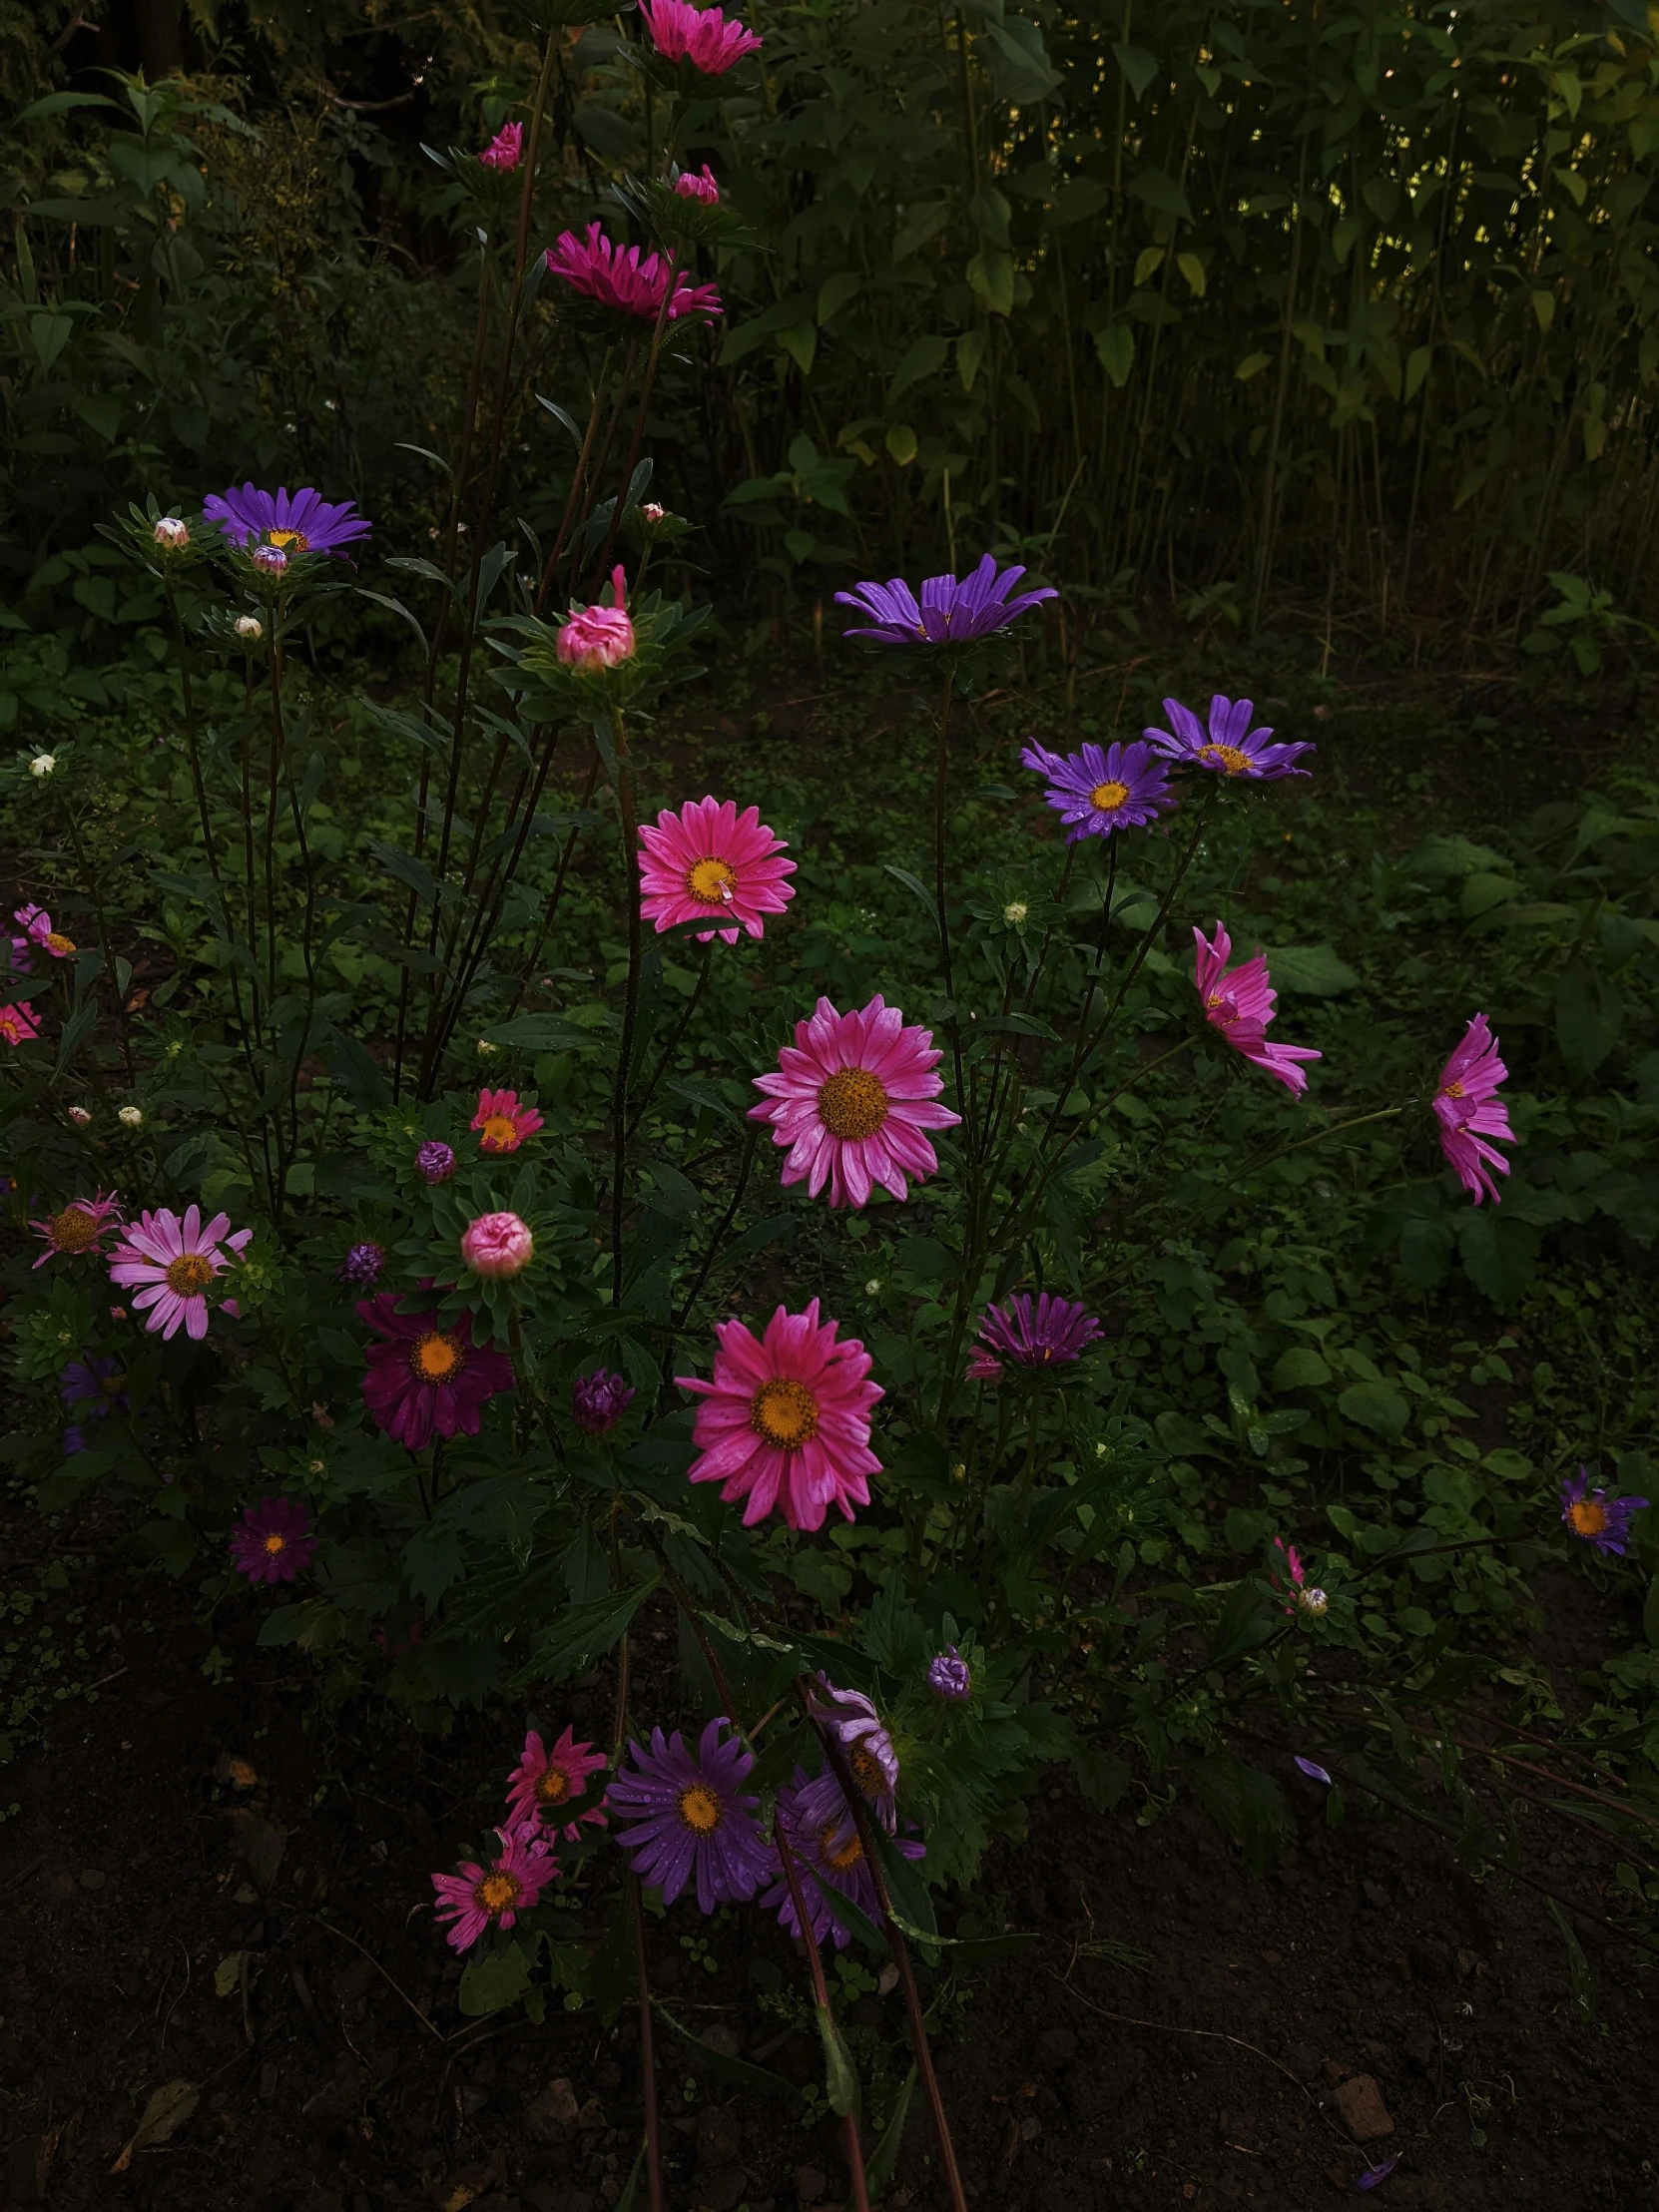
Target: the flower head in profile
(701, 36)
(285, 522)
(701, 187)
(785, 1422)
(950, 613)
(501, 1122)
(950, 1677)
(617, 277)
(853, 1719)
(599, 637)
(506, 150)
(1473, 1118)
(824, 1844)
(548, 1782)
(37, 928)
(708, 863)
(435, 1160)
(1240, 1005)
(497, 1245)
(174, 1261)
(18, 1024)
(1303, 1597)
(598, 1400)
(273, 1542)
(476, 1899)
(688, 1818)
(78, 1228)
(362, 1266)
(1045, 1332)
(1595, 1517)
(426, 1378)
(1099, 790)
(852, 1101)
(1229, 746)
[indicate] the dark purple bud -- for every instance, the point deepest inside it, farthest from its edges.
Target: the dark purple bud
(1314, 1772)
(598, 1400)
(362, 1266)
(950, 1676)
(435, 1160)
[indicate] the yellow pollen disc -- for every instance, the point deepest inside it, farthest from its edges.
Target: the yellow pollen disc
(699, 1808)
(290, 541)
(56, 942)
(784, 1413)
(553, 1787)
(1452, 1090)
(73, 1230)
(1105, 796)
(849, 1854)
(275, 1543)
(497, 1890)
(853, 1104)
(1587, 1518)
(436, 1358)
(190, 1273)
(711, 880)
(499, 1134)
(113, 1385)
(1225, 756)
(867, 1774)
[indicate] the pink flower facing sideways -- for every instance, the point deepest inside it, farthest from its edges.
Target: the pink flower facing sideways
(543, 1789)
(851, 1099)
(506, 150)
(476, 1899)
(616, 277)
(709, 861)
(785, 1422)
(599, 637)
(701, 36)
(38, 929)
(1470, 1113)
(174, 1262)
(701, 187)
(1240, 1005)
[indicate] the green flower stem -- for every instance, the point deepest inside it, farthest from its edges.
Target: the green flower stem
(673, 1044)
(638, 437)
(551, 907)
(630, 1005)
(1271, 1159)
(648, 2058)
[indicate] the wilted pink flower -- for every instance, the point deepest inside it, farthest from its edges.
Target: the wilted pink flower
(1240, 1005)
(506, 149)
(549, 1779)
(79, 1228)
(616, 277)
(497, 1244)
(701, 36)
(477, 1897)
(18, 1024)
(502, 1123)
(709, 861)
(1470, 1111)
(174, 1261)
(701, 187)
(599, 637)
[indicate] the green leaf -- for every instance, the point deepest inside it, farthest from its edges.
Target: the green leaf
(840, 2076)
(1500, 1255)
(884, 2161)
(1311, 969)
(917, 887)
(835, 293)
(1021, 71)
(1160, 192)
(1300, 1369)
(1192, 270)
(1375, 1405)
(491, 1985)
(583, 1633)
(924, 358)
(1138, 66)
(1116, 348)
(919, 226)
(739, 2071)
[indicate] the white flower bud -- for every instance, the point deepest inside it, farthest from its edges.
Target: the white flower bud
(486, 1050)
(1014, 913)
(1314, 1601)
(130, 1117)
(171, 534)
(249, 629)
(43, 763)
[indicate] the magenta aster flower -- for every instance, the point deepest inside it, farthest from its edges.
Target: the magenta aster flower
(304, 522)
(950, 1676)
(1595, 1518)
(615, 276)
(273, 1542)
(599, 637)
(1094, 791)
(175, 1262)
(850, 1101)
(506, 150)
(1240, 1005)
(497, 1244)
(691, 1818)
(78, 1228)
(701, 187)
(427, 1378)
(1229, 746)
(476, 1898)
(785, 1420)
(98, 1384)
(823, 1840)
(501, 1122)
(18, 1024)
(1041, 1332)
(701, 36)
(950, 613)
(38, 929)
(1470, 1113)
(549, 1780)
(707, 860)
(436, 1161)
(362, 1266)
(598, 1400)
(862, 1735)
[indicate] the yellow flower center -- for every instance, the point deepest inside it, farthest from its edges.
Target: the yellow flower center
(867, 1773)
(1454, 1090)
(275, 1543)
(553, 1787)
(190, 1273)
(1227, 757)
(1587, 1518)
(1218, 1005)
(853, 1104)
(1107, 796)
(711, 880)
(849, 1854)
(784, 1413)
(497, 1890)
(57, 942)
(499, 1133)
(112, 1386)
(699, 1808)
(289, 541)
(74, 1230)
(436, 1358)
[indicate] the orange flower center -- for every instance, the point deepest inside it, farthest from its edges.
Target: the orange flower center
(1587, 1518)
(1107, 796)
(1454, 1090)
(436, 1358)
(57, 942)
(711, 882)
(867, 1773)
(853, 1104)
(190, 1273)
(499, 1134)
(1227, 757)
(784, 1413)
(275, 1543)
(699, 1808)
(849, 1854)
(497, 1890)
(553, 1787)
(290, 541)
(112, 1386)
(74, 1230)
(1219, 1000)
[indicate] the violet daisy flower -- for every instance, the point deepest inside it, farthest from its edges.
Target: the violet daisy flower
(362, 1266)
(1240, 1005)
(174, 1262)
(616, 277)
(547, 1781)
(691, 1818)
(598, 1400)
(273, 1542)
(1597, 1518)
(1042, 1333)
(710, 862)
(862, 1735)
(824, 1841)
(950, 1676)
(428, 1377)
(98, 1384)
(1229, 746)
(950, 613)
(78, 1228)
(480, 1897)
(851, 1100)
(300, 522)
(785, 1422)
(1470, 1113)
(1096, 790)
(701, 36)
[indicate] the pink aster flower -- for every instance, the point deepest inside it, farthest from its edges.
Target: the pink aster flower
(701, 187)
(1240, 1005)
(18, 1024)
(79, 1228)
(497, 1244)
(502, 1123)
(273, 1542)
(38, 929)
(506, 150)
(1470, 1111)
(850, 1101)
(785, 1420)
(708, 860)
(548, 1780)
(616, 277)
(478, 1898)
(174, 1262)
(599, 637)
(428, 1377)
(701, 36)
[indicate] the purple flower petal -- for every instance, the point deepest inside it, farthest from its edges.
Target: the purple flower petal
(1313, 1771)
(1374, 2176)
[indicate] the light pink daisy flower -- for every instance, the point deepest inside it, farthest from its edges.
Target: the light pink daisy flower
(852, 1098)
(175, 1262)
(785, 1420)
(708, 860)
(1470, 1111)
(480, 1897)
(548, 1780)
(78, 1228)
(1240, 1005)
(36, 925)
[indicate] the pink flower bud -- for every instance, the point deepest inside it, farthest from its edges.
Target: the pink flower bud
(506, 150)
(270, 559)
(497, 1244)
(79, 1116)
(171, 533)
(598, 637)
(701, 188)
(652, 514)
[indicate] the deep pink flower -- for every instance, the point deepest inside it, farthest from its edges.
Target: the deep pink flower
(427, 1378)
(701, 187)
(502, 1123)
(497, 1244)
(478, 1898)
(549, 1779)
(850, 1101)
(273, 1542)
(175, 1262)
(1308, 1601)
(506, 150)
(708, 860)
(701, 36)
(79, 1228)
(1470, 1111)
(599, 637)
(18, 1024)
(37, 928)
(1241, 1004)
(616, 277)
(785, 1420)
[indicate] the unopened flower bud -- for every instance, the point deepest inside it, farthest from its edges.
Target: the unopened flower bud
(598, 1400)
(701, 187)
(436, 1161)
(1014, 913)
(249, 629)
(171, 534)
(486, 1050)
(130, 1117)
(269, 560)
(497, 1244)
(598, 637)
(79, 1116)
(43, 763)
(1314, 1601)
(950, 1677)
(651, 513)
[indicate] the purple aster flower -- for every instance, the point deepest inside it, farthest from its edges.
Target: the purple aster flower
(598, 1400)
(858, 1727)
(273, 1542)
(950, 613)
(304, 523)
(1038, 1332)
(1597, 1518)
(823, 1840)
(691, 1818)
(1313, 1769)
(1229, 746)
(74, 1440)
(950, 1677)
(362, 1266)
(436, 1161)
(1097, 791)
(1374, 2176)
(97, 1384)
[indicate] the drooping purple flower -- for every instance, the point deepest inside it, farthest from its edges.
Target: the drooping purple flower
(858, 1728)
(1595, 1517)
(1043, 1331)
(436, 1161)
(823, 1841)
(362, 1266)
(950, 613)
(1313, 1769)
(598, 1400)
(950, 1676)
(1102, 789)
(691, 1818)
(300, 522)
(97, 1384)
(1230, 747)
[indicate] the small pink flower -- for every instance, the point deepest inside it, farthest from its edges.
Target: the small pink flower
(273, 1542)
(984, 1367)
(616, 277)
(502, 1123)
(1470, 1111)
(1302, 1598)
(599, 637)
(497, 1244)
(79, 1228)
(478, 1898)
(175, 1262)
(701, 36)
(506, 150)
(785, 1420)
(18, 1024)
(544, 1786)
(78, 1115)
(38, 929)
(1240, 1005)
(851, 1100)
(651, 513)
(708, 861)
(701, 187)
